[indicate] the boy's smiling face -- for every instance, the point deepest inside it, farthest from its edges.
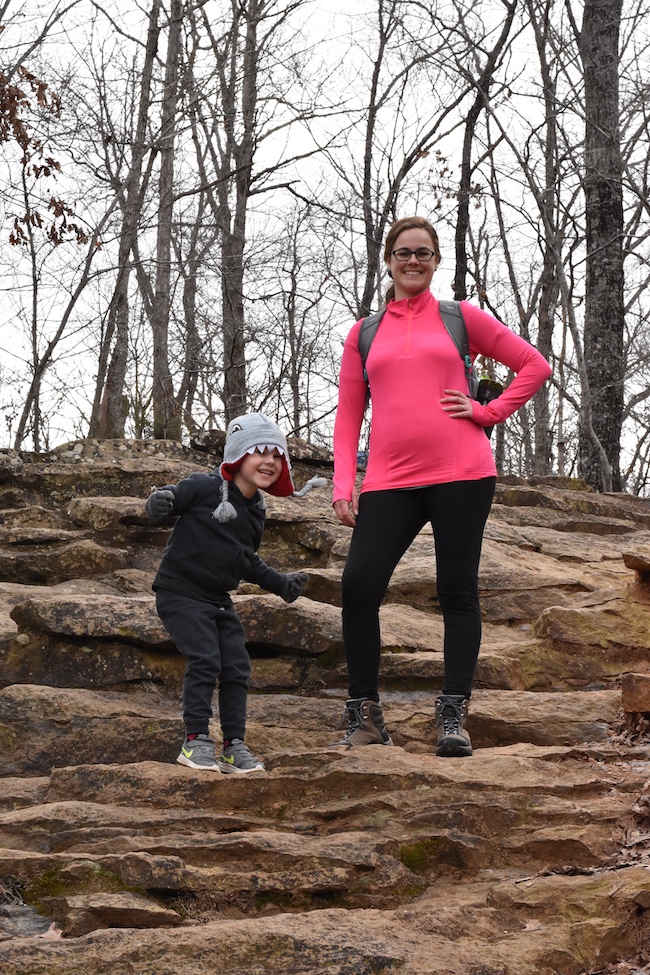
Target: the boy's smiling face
(258, 471)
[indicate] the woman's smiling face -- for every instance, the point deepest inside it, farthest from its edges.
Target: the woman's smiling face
(412, 277)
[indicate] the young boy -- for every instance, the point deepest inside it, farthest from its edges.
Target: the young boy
(212, 548)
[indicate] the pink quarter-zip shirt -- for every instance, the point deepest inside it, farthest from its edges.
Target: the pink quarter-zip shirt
(412, 360)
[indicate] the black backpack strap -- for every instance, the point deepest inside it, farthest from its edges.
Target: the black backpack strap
(367, 333)
(452, 317)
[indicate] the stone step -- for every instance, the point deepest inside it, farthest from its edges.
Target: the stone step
(370, 827)
(44, 727)
(541, 926)
(68, 637)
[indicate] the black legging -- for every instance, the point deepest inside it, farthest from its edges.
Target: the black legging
(387, 523)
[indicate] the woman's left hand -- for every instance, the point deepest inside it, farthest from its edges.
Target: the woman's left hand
(458, 405)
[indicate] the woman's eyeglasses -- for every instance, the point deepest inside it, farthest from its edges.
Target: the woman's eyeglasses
(403, 254)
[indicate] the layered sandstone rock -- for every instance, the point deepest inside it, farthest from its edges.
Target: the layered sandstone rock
(530, 857)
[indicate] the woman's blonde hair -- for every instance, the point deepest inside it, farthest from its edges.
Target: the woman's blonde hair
(408, 223)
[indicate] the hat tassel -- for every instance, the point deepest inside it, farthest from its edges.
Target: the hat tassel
(313, 482)
(226, 511)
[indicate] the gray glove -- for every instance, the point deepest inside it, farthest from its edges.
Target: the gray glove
(159, 504)
(293, 586)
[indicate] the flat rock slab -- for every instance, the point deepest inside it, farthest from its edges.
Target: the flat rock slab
(131, 618)
(516, 582)
(17, 792)
(32, 515)
(305, 627)
(79, 826)
(108, 513)
(36, 659)
(91, 912)
(510, 717)
(35, 535)
(78, 469)
(19, 921)
(580, 547)
(46, 727)
(307, 778)
(54, 563)
(614, 626)
(579, 502)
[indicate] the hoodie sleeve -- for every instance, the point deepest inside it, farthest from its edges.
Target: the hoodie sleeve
(263, 575)
(188, 491)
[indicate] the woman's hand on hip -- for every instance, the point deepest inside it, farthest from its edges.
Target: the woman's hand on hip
(347, 511)
(457, 405)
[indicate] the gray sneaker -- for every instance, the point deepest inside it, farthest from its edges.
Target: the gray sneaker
(199, 753)
(237, 758)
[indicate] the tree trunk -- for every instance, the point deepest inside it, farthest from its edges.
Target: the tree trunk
(550, 289)
(166, 413)
(239, 158)
(33, 404)
(187, 389)
(109, 410)
(32, 400)
(604, 311)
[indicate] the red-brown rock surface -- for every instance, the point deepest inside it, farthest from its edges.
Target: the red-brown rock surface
(530, 857)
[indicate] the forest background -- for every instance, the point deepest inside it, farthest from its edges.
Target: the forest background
(195, 194)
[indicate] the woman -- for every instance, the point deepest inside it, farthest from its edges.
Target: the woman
(429, 460)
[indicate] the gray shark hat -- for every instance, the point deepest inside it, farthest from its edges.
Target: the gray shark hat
(245, 435)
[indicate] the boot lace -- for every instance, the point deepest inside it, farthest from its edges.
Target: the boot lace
(353, 718)
(451, 718)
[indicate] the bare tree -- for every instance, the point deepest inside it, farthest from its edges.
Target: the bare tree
(549, 292)
(243, 103)
(604, 314)
(292, 363)
(481, 83)
(166, 409)
(411, 47)
(109, 413)
(25, 101)
(42, 360)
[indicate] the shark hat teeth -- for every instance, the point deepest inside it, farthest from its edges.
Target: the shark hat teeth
(245, 435)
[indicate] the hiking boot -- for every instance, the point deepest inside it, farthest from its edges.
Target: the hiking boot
(365, 724)
(199, 753)
(451, 713)
(237, 758)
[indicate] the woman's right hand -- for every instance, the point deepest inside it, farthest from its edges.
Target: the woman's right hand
(347, 511)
